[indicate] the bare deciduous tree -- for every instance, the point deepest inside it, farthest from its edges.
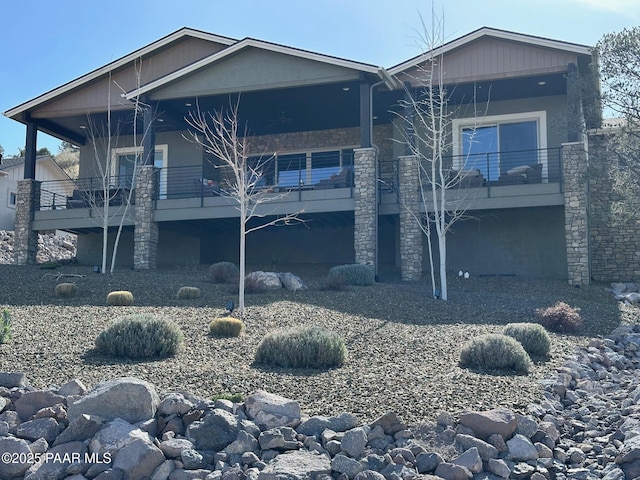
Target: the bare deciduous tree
(220, 134)
(428, 135)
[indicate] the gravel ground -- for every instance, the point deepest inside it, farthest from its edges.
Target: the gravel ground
(403, 346)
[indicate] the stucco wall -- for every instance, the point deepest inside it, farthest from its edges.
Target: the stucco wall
(526, 242)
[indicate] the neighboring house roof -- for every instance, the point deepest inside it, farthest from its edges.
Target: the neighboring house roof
(14, 162)
(496, 33)
(91, 76)
(260, 44)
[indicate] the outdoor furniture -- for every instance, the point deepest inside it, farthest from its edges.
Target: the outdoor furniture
(342, 179)
(521, 175)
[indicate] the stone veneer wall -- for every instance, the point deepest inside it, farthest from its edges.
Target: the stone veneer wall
(615, 245)
(25, 244)
(575, 165)
(410, 232)
(146, 233)
(366, 221)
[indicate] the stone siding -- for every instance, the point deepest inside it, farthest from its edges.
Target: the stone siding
(410, 232)
(146, 233)
(574, 164)
(615, 244)
(26, 240)
(365, 224)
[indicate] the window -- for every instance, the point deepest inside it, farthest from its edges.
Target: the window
(496, 144)
(13, 199)
(125, 159)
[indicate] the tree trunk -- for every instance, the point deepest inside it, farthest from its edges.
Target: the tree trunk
(243, 219)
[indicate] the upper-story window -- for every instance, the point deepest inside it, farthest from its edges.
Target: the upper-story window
(497, 144)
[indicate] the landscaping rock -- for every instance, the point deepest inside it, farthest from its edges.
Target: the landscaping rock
(46, 428)
(130, 399)
(217, 430)
(16, 449)
(11, 380)
(497, 421)
(292, 282)
(138, 459)
(28, 404)
(390, 423)
(296, 465)
(264, 280)
(80, 429)
(116, 435)
(174, 403)
(269, 410)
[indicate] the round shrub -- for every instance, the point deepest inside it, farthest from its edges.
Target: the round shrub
(302, 347)
(560, 318)
(354, 274)
(532, 336)
(223, 272)
(495, 352)
(188, 293)
(226, 327)
(66, 290)
(141, 336)
(120, 298)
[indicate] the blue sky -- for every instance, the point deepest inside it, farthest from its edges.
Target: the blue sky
(47, 43)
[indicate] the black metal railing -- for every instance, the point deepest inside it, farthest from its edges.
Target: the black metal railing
(85, 193)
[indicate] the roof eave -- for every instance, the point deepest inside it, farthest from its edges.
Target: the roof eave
(172, 37)
(490, 32)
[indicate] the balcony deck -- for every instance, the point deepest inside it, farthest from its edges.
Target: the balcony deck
(180, 198)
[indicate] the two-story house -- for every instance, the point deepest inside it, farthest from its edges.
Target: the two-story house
(334, 132)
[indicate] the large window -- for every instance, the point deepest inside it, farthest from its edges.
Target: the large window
(497, 144)
(125, 159)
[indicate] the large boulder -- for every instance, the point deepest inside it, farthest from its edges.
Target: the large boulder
(57, 460)
(29, 403)
(138, 459)
(130, 399)
(217, 430)
(15, 448)
(116, 435)
(268, 410)
(292, 282)
(296, 465)
(497, 421)
(263, 280)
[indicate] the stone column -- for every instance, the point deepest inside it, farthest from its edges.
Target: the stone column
(576, 212)
(146, 232)
(25, 242)
(365, 211)
(410, 232)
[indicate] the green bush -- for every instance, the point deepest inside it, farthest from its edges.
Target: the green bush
(495, 352)
(532, 336)
(232, 397)
(120, 298)
(226, 327)
(5, 326)
(188, 293)
(354, 274)
(302, 347)
(141, 336)
(66, 290)
(223, 272)
(560, 318)
(335, 283)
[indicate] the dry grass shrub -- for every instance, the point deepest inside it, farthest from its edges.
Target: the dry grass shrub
(66, 290)
(223, 272)
(561, 318)
(120, 298)
(532, 336)
(141, 336)
(226, 327)
(354, 274)
(495, 352)
(188, 293)
(302, 347)
(335, 283)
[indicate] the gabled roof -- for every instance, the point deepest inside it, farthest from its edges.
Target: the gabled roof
(249, 43)
(158, 44)
(495, 33)
(13, 162)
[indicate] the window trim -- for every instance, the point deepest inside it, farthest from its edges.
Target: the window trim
(15, 196)
(308, 153)
(164, 148)
(539, 116)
